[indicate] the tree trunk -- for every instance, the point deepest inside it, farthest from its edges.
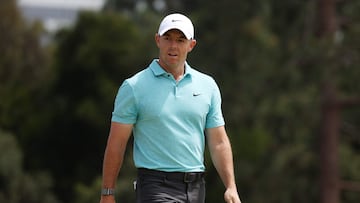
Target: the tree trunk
(329, 139)
(327, 21)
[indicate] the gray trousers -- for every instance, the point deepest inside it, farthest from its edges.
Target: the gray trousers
(164, 187)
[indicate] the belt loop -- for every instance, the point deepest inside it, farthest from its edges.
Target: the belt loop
(191, 177)
(186, 178)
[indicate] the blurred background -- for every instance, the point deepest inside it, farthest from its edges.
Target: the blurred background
(288, 72)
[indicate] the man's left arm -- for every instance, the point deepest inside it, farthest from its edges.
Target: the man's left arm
(222, 158)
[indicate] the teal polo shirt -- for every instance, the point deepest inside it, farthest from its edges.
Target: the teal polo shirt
(169, 117)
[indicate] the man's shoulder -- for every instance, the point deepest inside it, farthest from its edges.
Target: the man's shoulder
(145, 74)
(139, 76)
(201, 75)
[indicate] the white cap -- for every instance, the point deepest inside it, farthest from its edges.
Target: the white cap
(177, 21)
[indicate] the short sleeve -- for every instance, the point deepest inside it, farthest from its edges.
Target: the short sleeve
(215, 117)
(125, 110)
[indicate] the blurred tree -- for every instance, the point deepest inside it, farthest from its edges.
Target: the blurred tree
(264, 55)
(23, 68)
(159, 6)
(270, 67)
(92, 59)
(16, 186)
(24, 74)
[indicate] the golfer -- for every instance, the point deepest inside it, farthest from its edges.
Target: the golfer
(172, 110)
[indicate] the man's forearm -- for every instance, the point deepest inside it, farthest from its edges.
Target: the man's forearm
(113, 158)
(223, 162)
(111, 167)
(114, 153)
(222, 157)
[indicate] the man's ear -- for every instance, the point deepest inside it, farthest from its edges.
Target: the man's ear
(192, 45)
(157, 39)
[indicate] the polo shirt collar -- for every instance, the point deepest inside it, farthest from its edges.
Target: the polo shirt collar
(158, 71)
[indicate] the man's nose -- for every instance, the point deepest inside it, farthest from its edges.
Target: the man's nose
(173, 43)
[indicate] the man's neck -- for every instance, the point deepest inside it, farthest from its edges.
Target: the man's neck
(177, 72)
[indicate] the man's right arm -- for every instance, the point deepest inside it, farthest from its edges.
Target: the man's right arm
(114, 156)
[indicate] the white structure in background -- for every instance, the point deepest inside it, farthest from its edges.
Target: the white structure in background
(55, 14)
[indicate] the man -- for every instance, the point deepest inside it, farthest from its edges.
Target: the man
(172, 110)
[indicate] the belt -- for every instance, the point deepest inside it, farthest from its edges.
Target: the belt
(186, 177)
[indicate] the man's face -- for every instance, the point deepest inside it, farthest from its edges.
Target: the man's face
(173, 47)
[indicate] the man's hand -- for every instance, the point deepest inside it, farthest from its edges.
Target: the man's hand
(231, 196)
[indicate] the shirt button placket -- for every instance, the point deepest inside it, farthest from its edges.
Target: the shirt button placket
(176, 90)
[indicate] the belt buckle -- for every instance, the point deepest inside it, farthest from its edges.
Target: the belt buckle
(188, 177)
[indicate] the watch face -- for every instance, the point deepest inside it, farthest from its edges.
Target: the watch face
(107, 191)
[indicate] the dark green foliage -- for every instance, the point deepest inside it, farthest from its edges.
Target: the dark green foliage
(17, 186)
(92, 60)
(265, 56)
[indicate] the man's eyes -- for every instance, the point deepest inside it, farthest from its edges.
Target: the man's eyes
(178, 40)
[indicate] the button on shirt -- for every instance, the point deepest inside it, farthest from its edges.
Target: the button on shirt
(169, 117)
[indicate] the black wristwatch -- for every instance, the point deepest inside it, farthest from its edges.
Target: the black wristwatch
(107, 191)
